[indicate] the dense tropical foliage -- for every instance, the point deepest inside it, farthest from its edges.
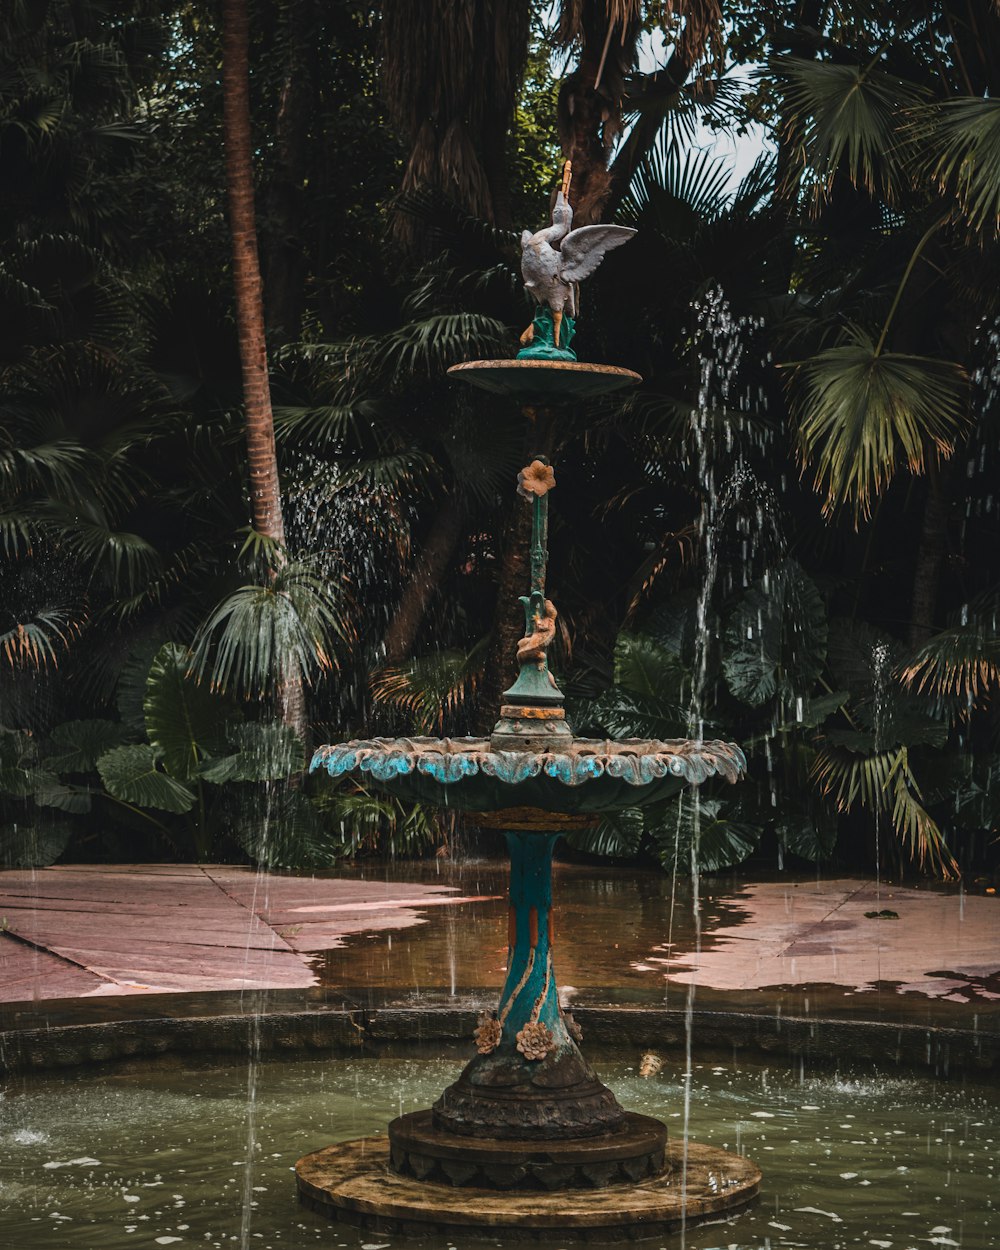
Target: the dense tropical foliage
(787, 537)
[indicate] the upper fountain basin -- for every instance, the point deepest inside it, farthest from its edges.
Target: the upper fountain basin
(544, 381)
(582, 775)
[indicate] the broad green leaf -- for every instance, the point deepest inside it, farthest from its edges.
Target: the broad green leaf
(646, 668)
(814, 712)
(811, 837)
(130, 774)
(34, 845)
(51, 792)
(185, 721)
(75, 746)
(618, 835)
(17, 753)
(264, 753)
(775, 639)
(130, 694)
(698, 829)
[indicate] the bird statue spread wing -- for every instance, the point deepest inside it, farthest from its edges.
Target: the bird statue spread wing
(554, 260)
(583, 250)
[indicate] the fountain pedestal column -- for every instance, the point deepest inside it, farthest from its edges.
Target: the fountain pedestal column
(528, 1111)
(529, 1078)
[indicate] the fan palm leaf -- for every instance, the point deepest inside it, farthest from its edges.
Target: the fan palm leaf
(860, 410)
(260, 637)
(846, 118)
(36, 642)
(964, 662)
(883, 784)
(960, 142)
(431, 687)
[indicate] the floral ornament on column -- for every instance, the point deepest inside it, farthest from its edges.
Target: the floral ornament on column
(535, 1040)
(535, 480)
(487, 1033)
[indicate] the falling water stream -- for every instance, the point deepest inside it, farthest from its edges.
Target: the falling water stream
(722, 340)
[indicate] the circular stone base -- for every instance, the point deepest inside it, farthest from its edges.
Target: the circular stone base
(353, 1183)
(633, 1151)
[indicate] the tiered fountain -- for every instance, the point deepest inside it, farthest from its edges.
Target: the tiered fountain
(528, 1139)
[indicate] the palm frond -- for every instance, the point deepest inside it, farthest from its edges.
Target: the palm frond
(960, 145)
(36, 642)
(288, 627)
(429, 347)
(860, 411)
(883, 784)
(430, 688)
(846, 118)
(671, 171)
(964, 661)
(324, 426)
(916, 828)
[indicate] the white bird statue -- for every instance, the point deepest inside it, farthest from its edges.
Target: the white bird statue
(555, 260)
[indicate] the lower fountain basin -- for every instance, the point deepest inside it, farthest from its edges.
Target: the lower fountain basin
(162, 1149)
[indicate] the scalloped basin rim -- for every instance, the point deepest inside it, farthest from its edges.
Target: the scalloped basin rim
(465, 773)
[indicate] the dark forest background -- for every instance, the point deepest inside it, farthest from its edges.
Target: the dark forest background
(807, 477)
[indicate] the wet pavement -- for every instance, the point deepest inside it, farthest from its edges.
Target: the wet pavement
(436, 930)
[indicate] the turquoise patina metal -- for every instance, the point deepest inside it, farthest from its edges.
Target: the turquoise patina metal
(543, 342)
(530, 995)
(585, 775)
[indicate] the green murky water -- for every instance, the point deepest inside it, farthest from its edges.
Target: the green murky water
(160, 1157)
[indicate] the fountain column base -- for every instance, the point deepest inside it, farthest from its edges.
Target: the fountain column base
(634, 1150)
(353, 1183)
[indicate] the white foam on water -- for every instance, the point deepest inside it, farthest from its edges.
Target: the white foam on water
(830, 1215)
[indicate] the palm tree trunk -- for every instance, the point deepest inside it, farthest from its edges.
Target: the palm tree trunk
(427, 575)
(590, 105)
(286, 263)
(262, 458)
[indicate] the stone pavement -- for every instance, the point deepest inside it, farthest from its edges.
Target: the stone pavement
(788, 934)
(424, 928)
(72, 932)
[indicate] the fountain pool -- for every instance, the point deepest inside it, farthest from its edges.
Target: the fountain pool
(151, 1156)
